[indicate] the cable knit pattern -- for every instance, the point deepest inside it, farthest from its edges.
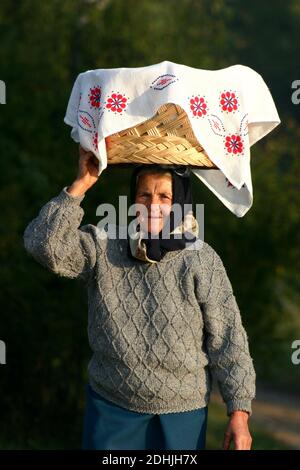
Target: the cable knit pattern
(158, 331)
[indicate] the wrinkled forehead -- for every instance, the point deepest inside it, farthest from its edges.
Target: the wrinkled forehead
(165, 176)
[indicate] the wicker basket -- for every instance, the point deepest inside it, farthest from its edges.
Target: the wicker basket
(166, 138)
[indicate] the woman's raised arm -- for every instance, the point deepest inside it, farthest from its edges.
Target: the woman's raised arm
(54, 237)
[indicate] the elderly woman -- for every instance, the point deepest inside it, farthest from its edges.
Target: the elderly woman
(163, 319)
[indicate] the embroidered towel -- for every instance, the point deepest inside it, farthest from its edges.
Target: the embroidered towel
(229, 110)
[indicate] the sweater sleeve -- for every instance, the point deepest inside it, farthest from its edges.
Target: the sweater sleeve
(55, 240)
(227, 343)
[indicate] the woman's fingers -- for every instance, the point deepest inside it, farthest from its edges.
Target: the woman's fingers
(94, 160)
(226, 441)
(83, 152)
(88, 165)
(241, 440)
(242, 443)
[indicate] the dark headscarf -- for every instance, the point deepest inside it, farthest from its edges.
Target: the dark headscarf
(182, 195)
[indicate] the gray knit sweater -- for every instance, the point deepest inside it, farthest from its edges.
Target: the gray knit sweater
(158, 331)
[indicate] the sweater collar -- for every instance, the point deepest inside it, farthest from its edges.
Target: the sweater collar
(138, 247)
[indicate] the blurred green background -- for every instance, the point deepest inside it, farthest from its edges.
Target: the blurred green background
(43, 319)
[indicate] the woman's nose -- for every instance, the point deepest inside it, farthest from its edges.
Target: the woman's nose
(154, 199)
(154, 204)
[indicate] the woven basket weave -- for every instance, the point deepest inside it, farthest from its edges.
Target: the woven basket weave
(166, 138)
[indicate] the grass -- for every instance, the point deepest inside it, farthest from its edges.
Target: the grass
(217, 423)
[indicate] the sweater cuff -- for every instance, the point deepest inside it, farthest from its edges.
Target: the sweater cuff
(65, 196)
(239, 405)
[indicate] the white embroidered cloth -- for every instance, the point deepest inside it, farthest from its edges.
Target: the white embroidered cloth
(229, 110)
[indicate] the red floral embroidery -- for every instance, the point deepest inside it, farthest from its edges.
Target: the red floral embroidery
(117, 102)
(228, 101)
(198, 106)
(85, 121)
(95, 96)
(216, 125)
(163, 81)
(95, 140)
(234, 144)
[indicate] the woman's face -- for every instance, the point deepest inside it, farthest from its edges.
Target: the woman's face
(154, 191)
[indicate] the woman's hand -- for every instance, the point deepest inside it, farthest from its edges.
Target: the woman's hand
(87, 173)
(238, 431)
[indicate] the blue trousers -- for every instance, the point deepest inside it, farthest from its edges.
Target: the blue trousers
(108, 426)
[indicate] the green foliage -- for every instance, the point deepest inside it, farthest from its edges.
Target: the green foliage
(43, 46)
